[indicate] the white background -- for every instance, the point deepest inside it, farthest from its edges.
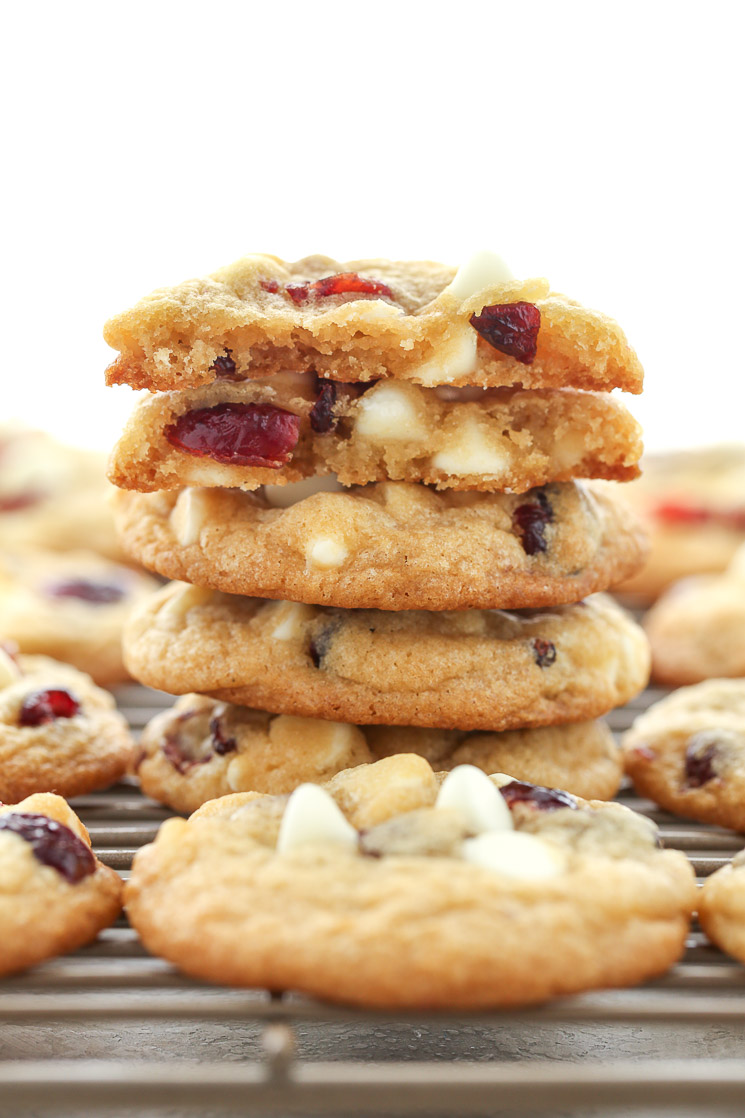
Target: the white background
(597, 144)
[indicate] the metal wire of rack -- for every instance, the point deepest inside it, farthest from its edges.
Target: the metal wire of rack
(111, 1030)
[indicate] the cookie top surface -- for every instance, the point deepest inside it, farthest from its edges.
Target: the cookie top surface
(51, 495)
(391, 545)
(394, 887)
(410, 320)
(696, 627)
(474, 669)
(54, 893)
(70, 606)
(294, 426)
(202, 749)
(58, 731)
(687, 752)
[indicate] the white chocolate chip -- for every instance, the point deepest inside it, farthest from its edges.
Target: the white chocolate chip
(483, 270)
(569, 450)
(470, 452)
(189, 515)
(387, 412)
(282, 496)
(481, 805)
(325, 553)
(454, 359)
(9, 670)
(514, 854)
(311, 817)
(184, 597)
(292, 618)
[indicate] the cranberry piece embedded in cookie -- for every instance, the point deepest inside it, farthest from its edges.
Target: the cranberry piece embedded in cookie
(700, 759)
(224, 366)
(221, 744)
(542, 799)
(530, 521)
(322, 418)
(98, 593)
(512, 328)
(272, 286)
(53, 844)
(188, 743)
(238, 434)
(41, 707)
(18, 501)
(544, 652)
(345, 283)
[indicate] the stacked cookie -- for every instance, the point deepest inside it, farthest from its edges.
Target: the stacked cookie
(325, 626)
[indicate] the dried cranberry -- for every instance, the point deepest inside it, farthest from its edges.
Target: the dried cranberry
(224, 366)
(543, 799)
(530, 521)
(322, 418)
(99, 593)
(344, 283)
(544, 652)
(220, 743)
(53, 844)
(272, 286)
(19, 501)
(701, 754)
(511, 328)
(239, 434)
(677, 512)
(41, 707)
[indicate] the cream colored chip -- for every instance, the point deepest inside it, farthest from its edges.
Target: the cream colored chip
(389, 411)
(454, 358)
(189, 515)
(312, 817)
(470, 452)
(291, 617)
(469, 792)
(172, 613)
(482, 271)
(324, 552)
(514, 854)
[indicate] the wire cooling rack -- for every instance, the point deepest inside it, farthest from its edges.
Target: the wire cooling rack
(111, 1031)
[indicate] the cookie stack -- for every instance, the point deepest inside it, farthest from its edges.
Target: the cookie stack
(355, 471)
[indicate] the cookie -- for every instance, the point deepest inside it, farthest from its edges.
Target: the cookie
(687, 752)
(721, 907)
(53, 496)
(365, 319)
(202, 749)
(389, 546)
(472, 670)
(54, 893)
(392, 889)
(270, 432)
(692, 505)
(697, 628)
(69, 606)
(58, 731)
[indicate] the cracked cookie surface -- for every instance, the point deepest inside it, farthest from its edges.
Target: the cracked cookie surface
(388, 546)
(473, 669)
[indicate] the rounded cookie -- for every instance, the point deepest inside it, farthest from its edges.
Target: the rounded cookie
(53, 496)
(54, 893)
(697, 628)
(394, 888)
(721, 907)
(281, 430)
(388, 546)
(412, 320)
(70, 606)
(687, 752)
(58, 731)
(203, 748)
(691, 502)
(468, 670)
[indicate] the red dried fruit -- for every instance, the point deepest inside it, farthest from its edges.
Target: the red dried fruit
(238, 434)
(18, 501)
(701, 754)
(530, 520)
(544, 652)
(224, 366)
(512, 328)
(99, 593)
(322, 418)
(41, 707)
(344, 283)
(677, 512)
(52, 843)
(543, 799)
(272, 286)
(220, 743)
